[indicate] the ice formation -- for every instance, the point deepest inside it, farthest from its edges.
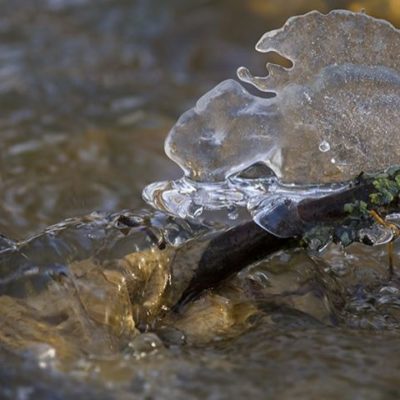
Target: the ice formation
(335, 113)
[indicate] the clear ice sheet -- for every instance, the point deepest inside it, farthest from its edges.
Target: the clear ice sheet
(334, 114)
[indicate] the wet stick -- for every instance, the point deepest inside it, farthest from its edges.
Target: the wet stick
(232, 250)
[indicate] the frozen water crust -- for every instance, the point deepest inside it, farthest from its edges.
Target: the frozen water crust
(335, 113)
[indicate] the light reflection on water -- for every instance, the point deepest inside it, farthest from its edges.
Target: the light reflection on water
(88, 91)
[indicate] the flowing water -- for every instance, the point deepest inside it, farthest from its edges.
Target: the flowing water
(88, 92)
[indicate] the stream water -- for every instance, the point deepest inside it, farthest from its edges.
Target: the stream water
(88, 92)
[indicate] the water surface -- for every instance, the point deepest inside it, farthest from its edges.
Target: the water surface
(88, 92)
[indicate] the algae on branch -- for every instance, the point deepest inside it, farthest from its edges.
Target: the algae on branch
(386, 192)
(362, 219)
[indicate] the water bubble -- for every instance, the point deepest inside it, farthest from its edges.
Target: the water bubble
(143, 345)
(233, 213)
(324, 146)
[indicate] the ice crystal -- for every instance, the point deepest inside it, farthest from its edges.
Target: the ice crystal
(334, 113)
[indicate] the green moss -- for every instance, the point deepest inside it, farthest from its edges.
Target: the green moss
(387, 185)
(385, 197)
(387, 190)
(357, 209)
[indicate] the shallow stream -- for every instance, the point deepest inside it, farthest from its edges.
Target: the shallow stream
(88, 92)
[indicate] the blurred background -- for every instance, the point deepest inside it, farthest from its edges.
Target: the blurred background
(90, 88)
